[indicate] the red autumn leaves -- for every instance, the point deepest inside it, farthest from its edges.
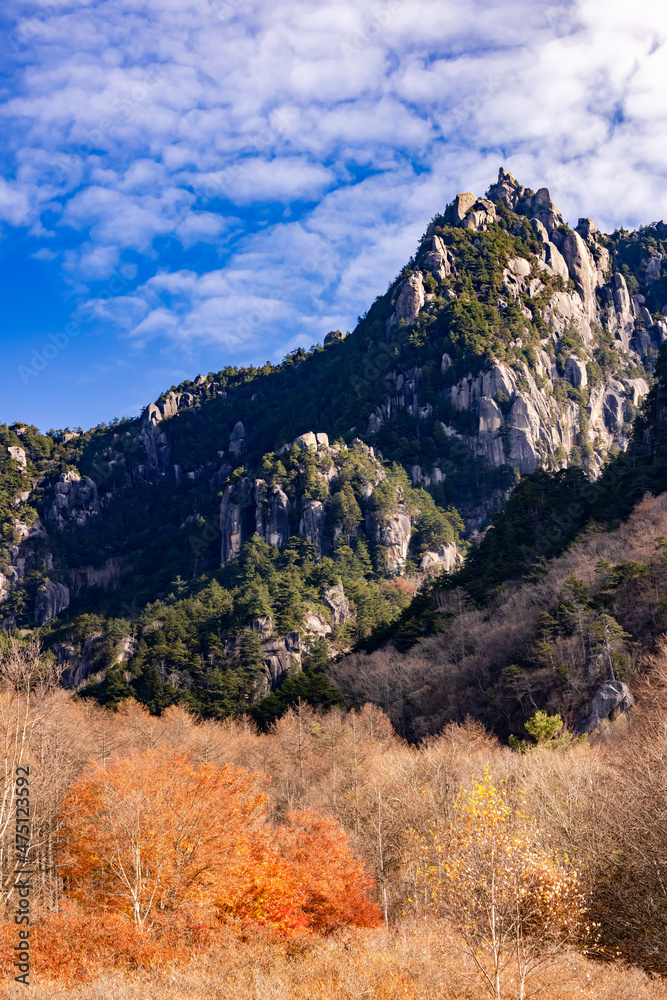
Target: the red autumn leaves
(154, 833)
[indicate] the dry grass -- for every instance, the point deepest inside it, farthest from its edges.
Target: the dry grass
(415, 961)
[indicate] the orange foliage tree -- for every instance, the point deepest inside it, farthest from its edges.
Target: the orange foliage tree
(335, 884)
(155, 832)
(514, 902)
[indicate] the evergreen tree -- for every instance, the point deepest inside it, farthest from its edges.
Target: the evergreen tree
(251, 657)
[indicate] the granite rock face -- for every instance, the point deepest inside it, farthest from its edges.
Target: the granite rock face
(409, 301)
(610, 701)
(341, 610)
(76, 500)
(522, 420)
(393, 532)
(250, 506)
(446, 559)
(52, 598)
(18, 454)
(311, 524)
(545, 405)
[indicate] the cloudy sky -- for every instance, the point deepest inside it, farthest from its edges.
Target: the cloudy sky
(187, 184)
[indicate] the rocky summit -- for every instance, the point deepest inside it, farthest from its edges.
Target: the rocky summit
(256, 523)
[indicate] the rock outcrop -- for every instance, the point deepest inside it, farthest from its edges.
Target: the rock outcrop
(272, 509)
(334, 597)
(76, 500)
(409, 301)
(524, 418)
(282, 657)
(52, 598)
(18, 454)
(560, 387)
(610, 701)
(311, 524)
(393, 531)
(446, 559)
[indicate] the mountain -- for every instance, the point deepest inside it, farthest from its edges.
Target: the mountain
(255, 523)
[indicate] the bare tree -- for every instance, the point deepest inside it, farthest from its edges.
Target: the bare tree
(26, 677)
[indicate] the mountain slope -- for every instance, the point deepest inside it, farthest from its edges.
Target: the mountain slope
(254, 515)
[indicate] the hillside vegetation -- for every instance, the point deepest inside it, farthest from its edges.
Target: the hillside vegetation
(228, 549)
(313, 872)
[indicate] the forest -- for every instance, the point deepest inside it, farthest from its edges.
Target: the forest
(325, 855)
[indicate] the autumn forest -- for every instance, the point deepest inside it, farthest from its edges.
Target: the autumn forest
(327, 857)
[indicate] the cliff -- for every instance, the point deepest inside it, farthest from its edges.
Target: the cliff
(509, 343)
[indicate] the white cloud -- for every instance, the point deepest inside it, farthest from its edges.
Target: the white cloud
(135, 120)
(44, 254)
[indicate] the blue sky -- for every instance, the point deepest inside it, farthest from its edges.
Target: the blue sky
(187, 184)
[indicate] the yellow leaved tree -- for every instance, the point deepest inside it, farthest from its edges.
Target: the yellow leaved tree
(513, 900)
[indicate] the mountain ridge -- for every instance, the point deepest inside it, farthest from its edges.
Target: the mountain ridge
(509, 343)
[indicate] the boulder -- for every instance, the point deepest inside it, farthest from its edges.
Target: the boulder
(540, 230)
(271, 514)
(481, 215)
(410, 300)
(541, 206)
(654, 268)
(18, 454)
(446, 558)
(306, 441)
(519, 266)
(457, 211)
(375, 422)
(438, 260)
(316, 625)
(609, 701)
(169, 405)
(334, 597)
(333, 337)
(394, 534)
(586, 229)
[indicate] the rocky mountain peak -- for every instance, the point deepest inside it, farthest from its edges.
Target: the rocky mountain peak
(524, 201)
(509, 343)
